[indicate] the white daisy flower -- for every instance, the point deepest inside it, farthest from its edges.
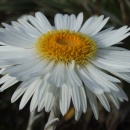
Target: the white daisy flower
(69, 60)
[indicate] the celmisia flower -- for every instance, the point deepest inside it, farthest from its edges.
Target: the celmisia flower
(70, 61)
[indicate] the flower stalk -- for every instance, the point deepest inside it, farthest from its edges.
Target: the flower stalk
(54, 117)
(32, 118)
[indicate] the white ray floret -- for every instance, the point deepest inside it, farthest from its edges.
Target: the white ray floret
(75, 74)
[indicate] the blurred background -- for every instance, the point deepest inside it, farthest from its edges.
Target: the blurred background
(119, 12)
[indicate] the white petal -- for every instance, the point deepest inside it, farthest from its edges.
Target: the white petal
(49, 97)
(99, 27)
(114, 55)
(58, 76)
(42, 90)
(8, 83)
(103, 33)
(25, 74)
(121, 94)
(10, 49)
(104, 101)
(72, 78)
(83, 99)
(78, 22)
(87, 25)
(89, 83)
(113, 38)
(76, 98)
(124, 76)
(28, 94)
(19, 69)
(7, 26)
(4, 78)
(2, 71)
(32, 31)
(1, 43)
(93, 28)
(44, 22)
(93, 102)
(21, 39)
(99, 73)
(34, 100)
(37, 24)
(58, 20)
(93, 25)
(66, 22)
(109, 68)
(72, 21)
(47, 69)
(18, 92)
(65, 98)
(20, 60)
(111, 63)
(78, 114)
(114, 100)
(105, 84)
(9, 55)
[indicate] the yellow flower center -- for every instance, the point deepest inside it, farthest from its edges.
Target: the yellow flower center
(65, 46)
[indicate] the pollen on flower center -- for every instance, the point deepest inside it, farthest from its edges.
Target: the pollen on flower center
(65, 46)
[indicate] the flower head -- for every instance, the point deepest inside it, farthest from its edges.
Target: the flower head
(69, 60)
